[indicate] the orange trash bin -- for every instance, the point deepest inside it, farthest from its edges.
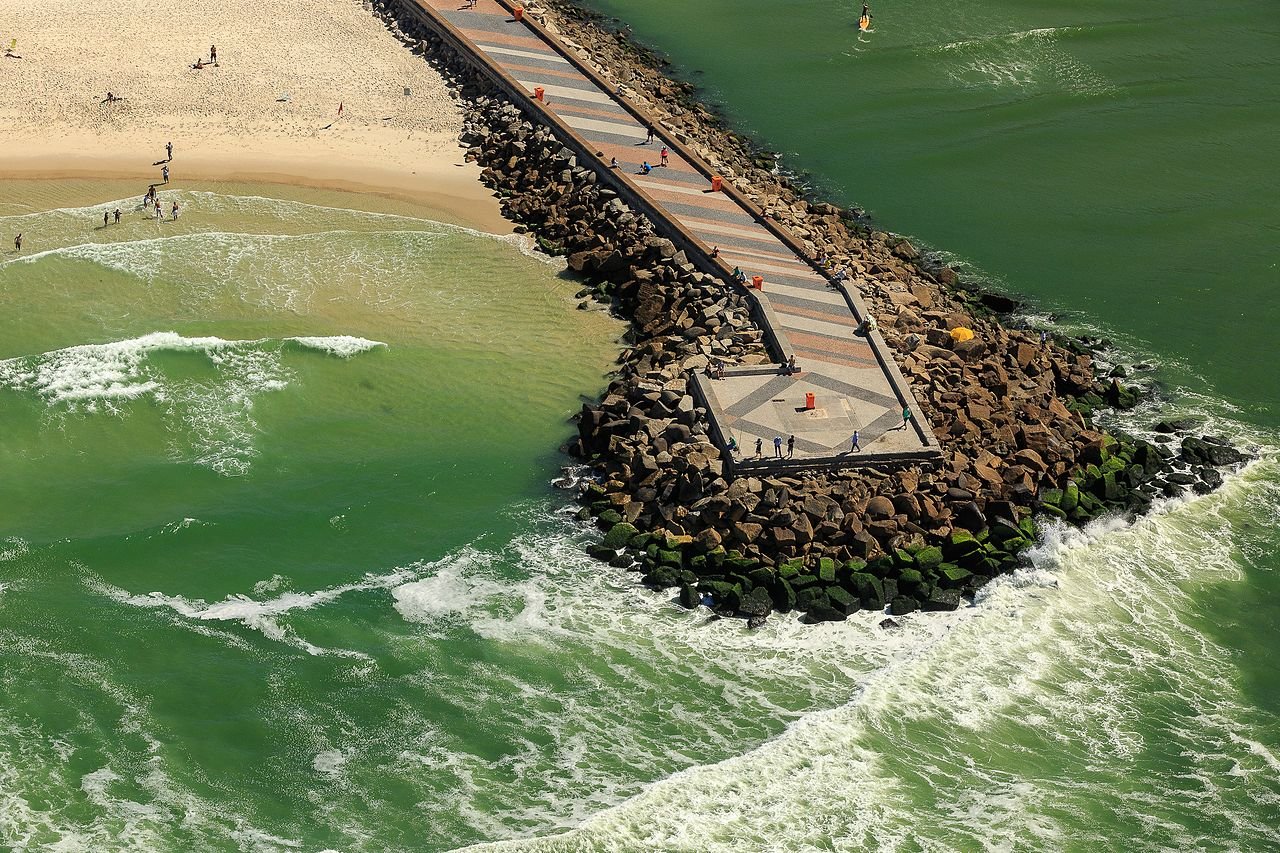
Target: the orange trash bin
(518, 13)
(757, 281)
(716, 183)
(538, 92)
(808, 401)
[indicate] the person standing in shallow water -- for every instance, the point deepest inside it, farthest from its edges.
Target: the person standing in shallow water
(17, 243)
(117, 216)
(106, 219)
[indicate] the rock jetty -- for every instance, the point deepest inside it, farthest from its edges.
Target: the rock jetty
(1012, 408)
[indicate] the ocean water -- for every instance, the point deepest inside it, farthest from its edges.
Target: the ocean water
(281, 568)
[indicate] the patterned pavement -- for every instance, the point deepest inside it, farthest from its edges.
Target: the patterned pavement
(854, 390)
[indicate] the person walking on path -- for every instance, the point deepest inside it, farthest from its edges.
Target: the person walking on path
(906, 417)
(649, 130)
(164, 173)
(168, 150)
(759, 447)
(17, 242)
(663, 155)
(791, 446)
(117, 215)
(854, 442)
(777, 446)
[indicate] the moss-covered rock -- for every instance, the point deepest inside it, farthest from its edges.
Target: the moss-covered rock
(928, 559)
(610, 518)
(689, 597)
(902, 605)
(843, 600)
(953, 577)
(1070, 496)
(784, 597)
(827, 570)
(757, 602)
(671, 558)
(810, 597)
(663, 577)
(869, 589)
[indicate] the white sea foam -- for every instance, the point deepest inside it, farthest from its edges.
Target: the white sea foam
(261, 615)
(1067, 655)
(214, 416)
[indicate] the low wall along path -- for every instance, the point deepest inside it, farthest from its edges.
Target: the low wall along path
(853, 380)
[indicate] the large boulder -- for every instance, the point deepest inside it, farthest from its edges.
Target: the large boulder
(619, 535)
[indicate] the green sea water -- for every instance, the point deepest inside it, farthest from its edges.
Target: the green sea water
(281, 567)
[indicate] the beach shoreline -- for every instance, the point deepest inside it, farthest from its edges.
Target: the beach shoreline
(341, 104)
(449, 189)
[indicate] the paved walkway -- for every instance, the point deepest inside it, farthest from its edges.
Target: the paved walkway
(853, 388)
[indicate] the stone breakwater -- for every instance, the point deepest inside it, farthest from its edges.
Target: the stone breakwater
(1011, 407)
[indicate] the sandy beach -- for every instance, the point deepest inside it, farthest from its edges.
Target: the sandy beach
(267, 112)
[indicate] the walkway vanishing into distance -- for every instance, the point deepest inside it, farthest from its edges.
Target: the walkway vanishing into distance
(855, 383)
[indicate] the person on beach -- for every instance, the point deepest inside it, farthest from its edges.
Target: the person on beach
(117, 215)
(662, 156)
(777, 446)
(199, 64)
(213, 54)
(791, 446)
(17, 243)
(159, 211)
(759, 447)
(174, 211)
(106, 219)
(164, 173)
(853, 441)
(168, 150)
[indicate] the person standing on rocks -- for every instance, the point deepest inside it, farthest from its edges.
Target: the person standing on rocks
(777, 446)
(791, 446)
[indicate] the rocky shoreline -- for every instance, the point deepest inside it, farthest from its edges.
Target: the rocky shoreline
(1011, 407)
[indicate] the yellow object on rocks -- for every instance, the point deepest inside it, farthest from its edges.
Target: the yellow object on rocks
(960, 333)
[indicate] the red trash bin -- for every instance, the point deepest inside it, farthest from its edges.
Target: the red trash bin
(808, 401)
